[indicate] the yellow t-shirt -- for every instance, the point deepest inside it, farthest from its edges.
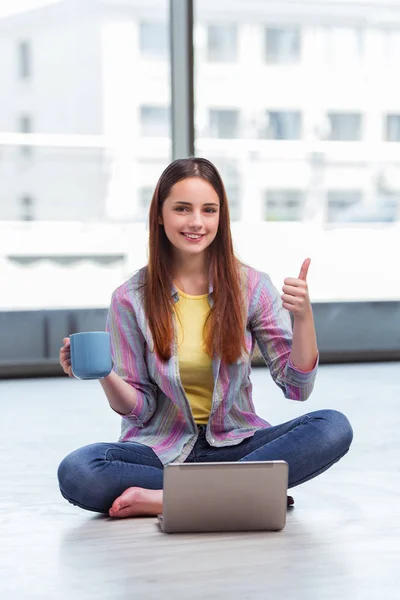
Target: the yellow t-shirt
(194, 363)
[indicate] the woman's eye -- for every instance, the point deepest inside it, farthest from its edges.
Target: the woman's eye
(185, 208)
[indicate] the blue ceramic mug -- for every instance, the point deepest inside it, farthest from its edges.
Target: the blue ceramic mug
(90, 354)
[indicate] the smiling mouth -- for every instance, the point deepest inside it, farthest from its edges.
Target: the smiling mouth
(193, 236)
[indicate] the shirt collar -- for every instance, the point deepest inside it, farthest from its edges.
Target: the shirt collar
(174, 290)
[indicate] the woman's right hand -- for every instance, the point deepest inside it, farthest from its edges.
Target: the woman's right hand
(65, 358)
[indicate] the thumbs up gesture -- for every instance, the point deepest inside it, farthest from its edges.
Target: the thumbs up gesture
(295, 296)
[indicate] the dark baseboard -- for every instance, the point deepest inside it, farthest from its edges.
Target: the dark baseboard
(347, 332)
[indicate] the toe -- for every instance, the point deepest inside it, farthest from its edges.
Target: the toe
(120, 513)
(115, 507)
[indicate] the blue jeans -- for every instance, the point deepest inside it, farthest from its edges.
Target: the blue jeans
(93, 476)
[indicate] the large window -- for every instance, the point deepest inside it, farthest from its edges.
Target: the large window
(85, 132)
(307, 111)
(84, 136)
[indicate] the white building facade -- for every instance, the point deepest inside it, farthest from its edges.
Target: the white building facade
(298, 105)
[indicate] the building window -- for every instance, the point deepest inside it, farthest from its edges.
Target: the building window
(341, 205)
(282, 45)
(392, 128)
(391, 45)
(231, 176)
(153, 39)
(24, 59)
(155, 121)
(223, 123)
(347, 206)
(283, 205)
(388, 206)
(27, 205)
(232, 192)
(282, 125)
(25, 126)
(222, 43)
(345, 126)
(145, 195)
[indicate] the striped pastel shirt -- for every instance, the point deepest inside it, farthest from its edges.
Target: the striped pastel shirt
(162, 417)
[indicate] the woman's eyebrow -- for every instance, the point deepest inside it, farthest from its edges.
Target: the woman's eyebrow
(190, 204)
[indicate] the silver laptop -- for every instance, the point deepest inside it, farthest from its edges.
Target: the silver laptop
(224, 496)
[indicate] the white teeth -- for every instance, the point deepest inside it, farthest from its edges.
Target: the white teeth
(192, 235)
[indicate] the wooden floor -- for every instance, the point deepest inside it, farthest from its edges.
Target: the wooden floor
(341, 541)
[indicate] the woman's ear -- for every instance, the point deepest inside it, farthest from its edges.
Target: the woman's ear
(160, 220)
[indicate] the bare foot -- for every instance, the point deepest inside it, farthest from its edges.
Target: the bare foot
(140, 502)
(137, 502)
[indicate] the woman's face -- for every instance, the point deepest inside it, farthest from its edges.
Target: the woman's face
(190, 215)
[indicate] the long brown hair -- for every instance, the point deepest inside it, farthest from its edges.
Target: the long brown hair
(224, 327)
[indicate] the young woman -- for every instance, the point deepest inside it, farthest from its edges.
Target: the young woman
(183, 330)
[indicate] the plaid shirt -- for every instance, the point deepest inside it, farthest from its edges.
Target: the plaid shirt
(162, 417)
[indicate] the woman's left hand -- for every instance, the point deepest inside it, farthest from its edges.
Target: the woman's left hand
(295, 293)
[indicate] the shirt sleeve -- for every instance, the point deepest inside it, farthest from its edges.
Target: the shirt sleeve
(272, 328)
(129, 357)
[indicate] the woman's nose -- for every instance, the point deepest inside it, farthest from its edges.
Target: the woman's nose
(195, 219)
